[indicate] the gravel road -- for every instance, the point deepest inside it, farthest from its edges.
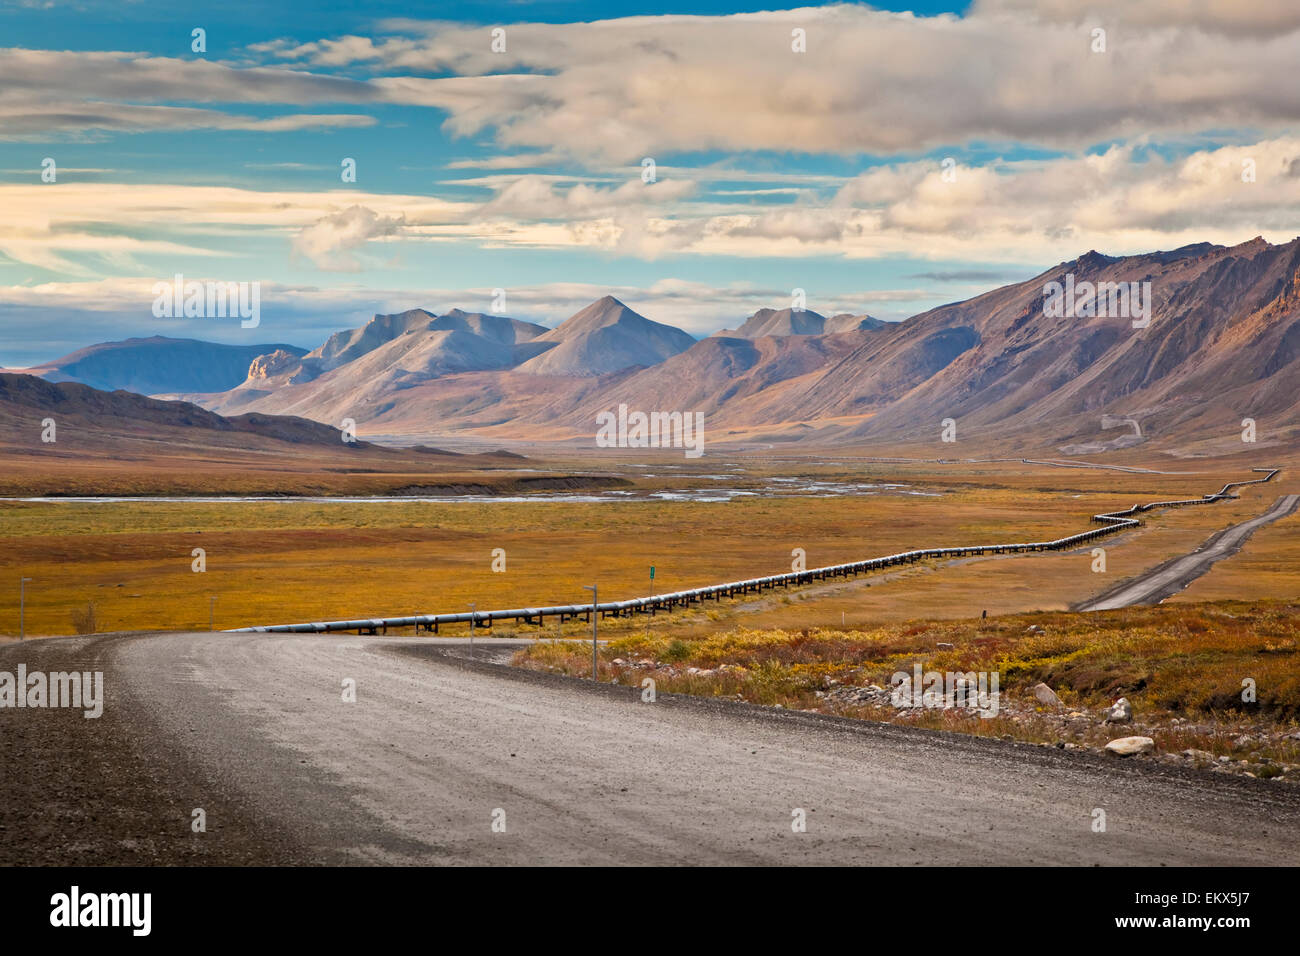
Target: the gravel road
(1171, 577)
(254, 730)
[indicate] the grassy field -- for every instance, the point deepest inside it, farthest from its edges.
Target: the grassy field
(285, 561)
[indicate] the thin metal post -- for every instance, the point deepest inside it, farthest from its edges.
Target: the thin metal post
(595, 600)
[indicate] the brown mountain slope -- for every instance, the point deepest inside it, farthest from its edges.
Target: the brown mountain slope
(606, 337)
(734, 381)
(1222, 344)
(120, 443)
(99, 419)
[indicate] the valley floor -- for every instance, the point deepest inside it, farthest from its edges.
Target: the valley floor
(131, 565)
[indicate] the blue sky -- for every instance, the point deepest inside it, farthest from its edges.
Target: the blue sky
(909, 155)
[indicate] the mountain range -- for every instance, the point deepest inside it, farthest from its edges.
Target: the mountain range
(791, 321)
(1221, 343)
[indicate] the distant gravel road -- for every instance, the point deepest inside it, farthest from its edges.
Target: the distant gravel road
(1155, 585)
(253, 729)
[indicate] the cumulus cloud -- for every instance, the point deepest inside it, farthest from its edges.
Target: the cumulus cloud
(1233, 17)
(871, 81)
(1126, 199)
(332, 242)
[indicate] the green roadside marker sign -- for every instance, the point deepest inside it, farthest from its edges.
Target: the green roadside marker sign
(652, 572)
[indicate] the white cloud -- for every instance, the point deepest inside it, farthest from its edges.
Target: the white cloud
(872, 81)
(333, 241)
(1234, 17)
(43, 224)
(615, 90)
(43, 91)
(1125, 200)
(537, 197)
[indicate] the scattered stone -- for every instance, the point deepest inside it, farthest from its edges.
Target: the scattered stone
(1203, 756)
(1121, 712)
(1045, 695)
(1129, 746)
(871, 694)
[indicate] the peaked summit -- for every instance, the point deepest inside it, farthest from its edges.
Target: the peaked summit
(605, 337)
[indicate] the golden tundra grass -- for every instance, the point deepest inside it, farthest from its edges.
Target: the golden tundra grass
(1182, 660)
(302, 561)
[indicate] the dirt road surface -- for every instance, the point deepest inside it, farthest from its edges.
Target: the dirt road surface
(1155, 585)
(254, 730)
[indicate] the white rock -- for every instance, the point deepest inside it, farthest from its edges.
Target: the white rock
(1128, 746)
(1121, 712)
(1045, 695)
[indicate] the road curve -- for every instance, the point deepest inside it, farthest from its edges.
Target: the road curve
(1172, 576)
(253, 729)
